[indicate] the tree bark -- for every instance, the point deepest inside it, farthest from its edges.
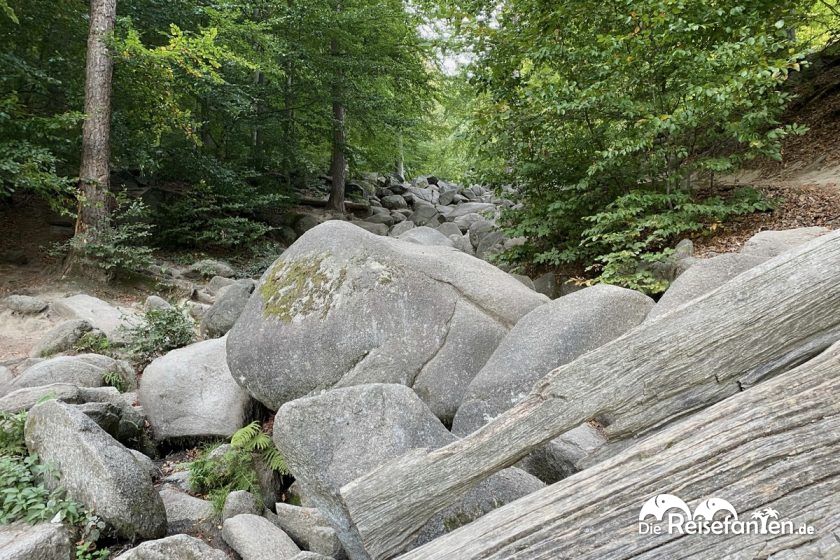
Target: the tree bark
(399, 167)
(776, 445)
(93, 210)
(338, 164)
(760, 324)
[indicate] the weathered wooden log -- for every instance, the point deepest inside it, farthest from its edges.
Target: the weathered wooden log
(776, 445)
(761, 323)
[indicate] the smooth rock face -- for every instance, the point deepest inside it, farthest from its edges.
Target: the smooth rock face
(27, 397)
(239, 502)
(177, 547)
(769, 244)
(549, 336)
(25, 305)
(101, 314)
(425, 235)
(401, 228)
(84, 370)
(256, 538)
(61, 337)
(308, 528)
(44, 541)
(223, 314)
(96, 470)
(342, 307)
(189, 392)
(156, 302)
(187, 514)
(333, 438)
(701, 278)
(471, 208)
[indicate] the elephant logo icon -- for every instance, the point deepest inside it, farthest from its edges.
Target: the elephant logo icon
(659, 504)
(708, 508)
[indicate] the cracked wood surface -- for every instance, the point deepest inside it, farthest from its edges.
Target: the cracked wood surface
(761, 323)
(776, 445)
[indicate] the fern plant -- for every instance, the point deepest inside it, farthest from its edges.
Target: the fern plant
(253, 439)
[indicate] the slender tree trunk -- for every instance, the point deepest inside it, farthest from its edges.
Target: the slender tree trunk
(93, 211)
(257, 133)
(339, 134)
(399, 167)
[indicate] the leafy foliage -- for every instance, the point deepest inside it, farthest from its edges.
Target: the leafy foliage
(253, 439)
(159, 331)
(94, 342)
(11, 433)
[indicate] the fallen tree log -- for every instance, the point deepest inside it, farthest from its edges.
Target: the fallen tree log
(774, 446)
(761, 323)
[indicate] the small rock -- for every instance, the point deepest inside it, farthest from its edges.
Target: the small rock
(449, 228)
(221, 316)
(256, 538)
(394, 202)
(239, 502)
(24, 305)
(176, 547)
(546, 284)
(156, 302)
(61, 338)
(308, 528)
(207, 268)
(304, 224)
(187, 514)
(426, 215)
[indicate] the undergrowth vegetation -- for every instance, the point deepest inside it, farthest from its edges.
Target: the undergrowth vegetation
(159, 331)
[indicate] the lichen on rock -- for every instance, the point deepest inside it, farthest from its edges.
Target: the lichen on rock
(297, 288)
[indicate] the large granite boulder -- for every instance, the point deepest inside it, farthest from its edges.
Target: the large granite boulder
(96, 470)
(61, 338)
(425, 235)
(177, 547)
(24, 305)
(256, 538)
(549, 336)
(221, 316)
(84, 370)
(44, 541)
(333, 438)
(189, 393)
(701, 278)
(769, 244)
(342, 307)
(111, 320)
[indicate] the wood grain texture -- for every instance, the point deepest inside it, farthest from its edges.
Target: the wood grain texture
(776, 445)
(759, 324)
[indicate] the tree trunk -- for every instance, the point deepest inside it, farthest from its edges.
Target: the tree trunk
(339, 136)
(760, 324)
(93, 211)
(776, 445)
(399, 167)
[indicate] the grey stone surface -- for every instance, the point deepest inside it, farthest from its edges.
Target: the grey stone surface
(240, 501)
(449, 228)
(61, 338)
(24, 305)
(479, 229)
(256, 538)
(333, 438)
(546, 284)
(425, 215)
(187, 514)
(769, 244)
(549, 336)
(221, 316)
(701, 278)
(102, 315)
(464, 222)
(524, 279)
(401, 228)
(44, 541)
(425, 235)
(27, 397)
(308, 528)
(207, 268)
(472, 208)
(177, 547)
(84, 370)
(217, 283)
(310, 327)
(376, 229)
(394, 202)
(462, 243)
(156, 302)
(146, 462)
(95, 469)
(189, 392)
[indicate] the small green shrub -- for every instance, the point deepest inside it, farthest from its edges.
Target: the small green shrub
(116, 380)
(11, 434)
(234, 470)
(160, 331)
(94, 342)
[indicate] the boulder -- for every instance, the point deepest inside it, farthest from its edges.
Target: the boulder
(256, 538)
(221, 316)
(703, 277)
(769, 244)
(424, 194)
(342, 307)
(176, 547)
(491, 244)
(96, 470)
(189, 393)
(546, 284)
(187, 514)
(239, 502)
(217, 283)
(472, 208)
(308, 528)
(156, 303)
(394, 202)
(449, 228)
(425, 235)
(479, 229)
(549, 336)
(44, 541)
(24, 305)
(333, 438)
(425, 215)
(447, 197)
(376, 229)
(462, 243)
(401, 228)
(524, 279)
(464, 222)
(84, 370)
(102, 315)
(381, 219)
(61, 338)
(207, 268)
